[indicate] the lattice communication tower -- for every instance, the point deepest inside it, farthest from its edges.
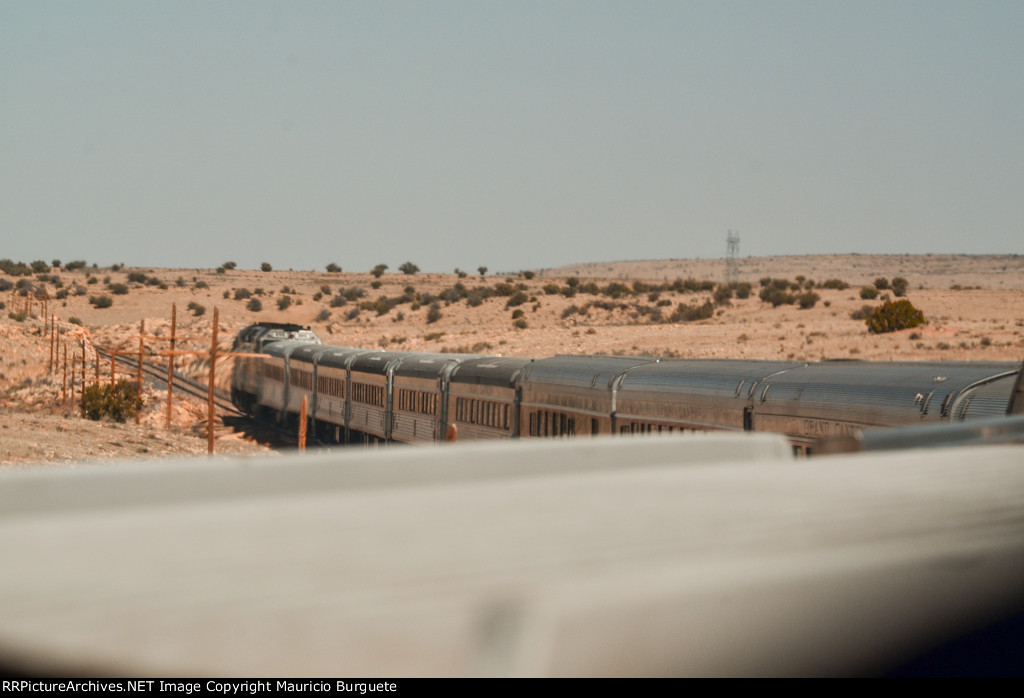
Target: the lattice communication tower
(732, 263)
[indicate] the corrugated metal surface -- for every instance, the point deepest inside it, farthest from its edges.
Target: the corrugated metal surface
(700, 377)
(579, 371)
(872, 393)
(500, 371)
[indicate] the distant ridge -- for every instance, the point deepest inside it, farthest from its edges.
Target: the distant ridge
(990, 271)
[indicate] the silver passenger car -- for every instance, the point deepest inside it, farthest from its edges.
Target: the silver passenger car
(572, 395)
(692, 394)
(840, 397)
(483, 397)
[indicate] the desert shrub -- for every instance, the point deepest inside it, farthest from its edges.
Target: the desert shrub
(408, 268)
(528, 275)
(5, 285)
(73, 320)
(894, 315)
(807, 299)
(137, 277)
(474, 299)
(899, 286)
(55, 264)
(254, 305)
(353, 293)
(62, 294)
(266, 267)
(228, 265)
(776, 296)
(119, 403)
(179, 282)
(691, 313)
(881, 283)
(986, 341)
(520, 323)
(352, 314)
(200, 284)
(118, 289)
(338, 301)
(482, 270)
(221, 270)
(376, 284)
(723, 295)
(616, 290)
(551, 289)
(18, 316)
(324, 315)
(101, 301)
(196, 309)
(868, 293)
(381, 306)
(283, 302)
(76, 264)
(227, 294)
(242, 293)
(379, 270)
(517, 313)
(517, 298)
(333, 268)
(434, 313)
(836, 284)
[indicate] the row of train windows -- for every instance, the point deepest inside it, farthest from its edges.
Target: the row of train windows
(325, 385)
(301, 379)
(368, 394)
(485, 412)
(417, 401)
(552, 424)
(272, 372)
(650, 428)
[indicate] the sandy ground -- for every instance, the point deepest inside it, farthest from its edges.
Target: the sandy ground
(973, 305)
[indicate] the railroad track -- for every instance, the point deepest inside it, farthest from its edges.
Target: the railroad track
(267, 432)
(182, 383)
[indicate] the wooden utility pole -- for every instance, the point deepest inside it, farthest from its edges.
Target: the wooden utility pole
(142, 339)
(170, 361)
(213, 362)
(64, 389)
(74, 361)
(53, 341)
(302, 424)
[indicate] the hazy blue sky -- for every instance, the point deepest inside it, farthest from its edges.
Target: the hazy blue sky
(512, 134)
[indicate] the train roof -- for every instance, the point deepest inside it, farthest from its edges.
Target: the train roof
(339, 357)
(501, 371)
(891, 393)
(377, 362)
(728, 377)
(581, 371)
(429, 365)
(285, 347)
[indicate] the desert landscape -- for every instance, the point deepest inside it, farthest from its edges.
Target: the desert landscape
(671, 308)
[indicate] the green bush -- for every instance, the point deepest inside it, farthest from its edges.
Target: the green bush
(283, 302)
(892, 316)
(254, 305)
(868, 293)
(899, 286)
(378, 271)
(101, 301)
(266, 267)
(333, 268)
(408, 268)
(242, 293)
(196, 309)
(119, 403)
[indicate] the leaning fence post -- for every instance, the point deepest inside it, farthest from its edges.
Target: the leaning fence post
(170, 362)
(142, 332)
(213, 360)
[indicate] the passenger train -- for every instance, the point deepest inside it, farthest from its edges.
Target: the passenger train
(364, 395)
